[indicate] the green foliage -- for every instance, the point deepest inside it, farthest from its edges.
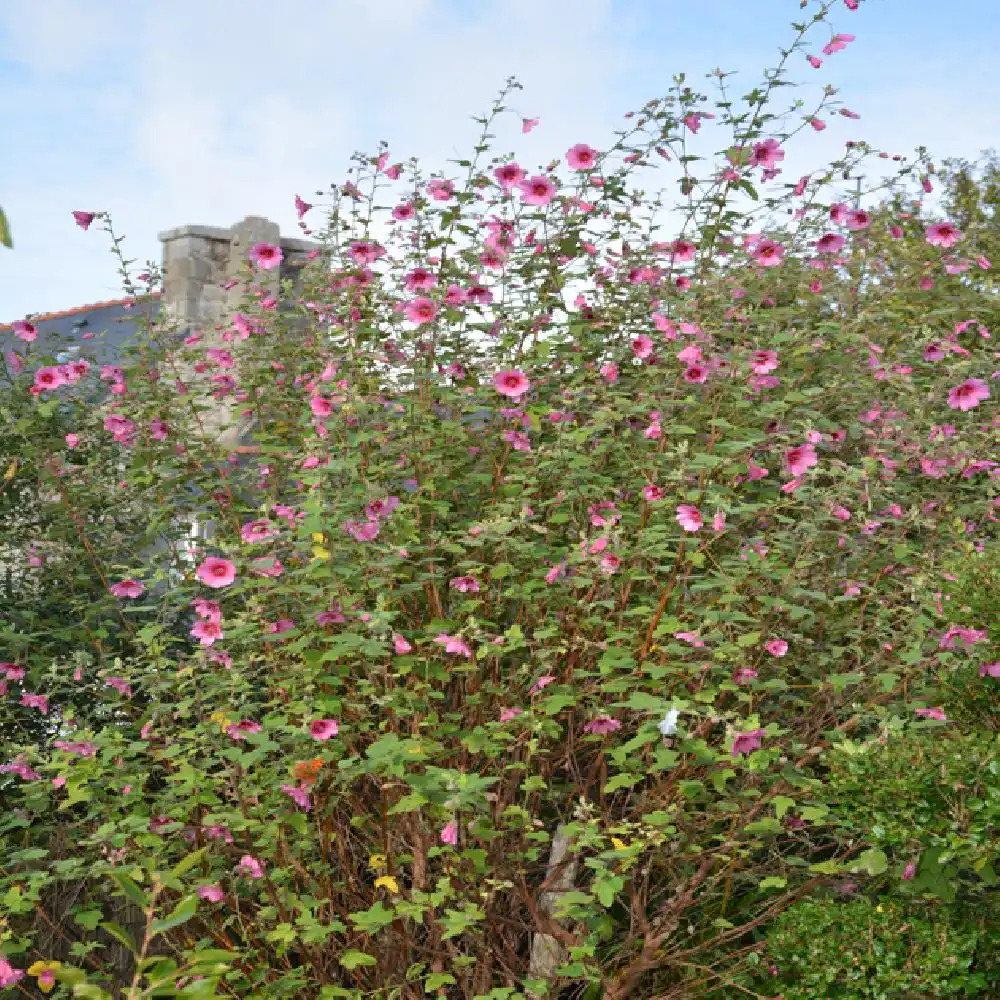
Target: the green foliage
(539, 642)
(857, 950)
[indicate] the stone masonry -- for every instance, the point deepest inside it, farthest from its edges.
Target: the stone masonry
(198, 261)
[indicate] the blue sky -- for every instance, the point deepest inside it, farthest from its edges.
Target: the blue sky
(204, 111)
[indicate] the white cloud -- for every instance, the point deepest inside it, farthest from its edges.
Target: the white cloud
(204, 111)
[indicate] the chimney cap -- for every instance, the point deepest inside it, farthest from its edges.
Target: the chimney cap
(224, 235)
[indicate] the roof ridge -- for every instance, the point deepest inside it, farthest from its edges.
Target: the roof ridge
(42, 317)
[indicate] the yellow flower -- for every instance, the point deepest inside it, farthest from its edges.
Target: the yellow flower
(376, 861)
(389, 882)
(45, 972)
(221, 720)
(320, 554)
(619, 845)
(318, 537)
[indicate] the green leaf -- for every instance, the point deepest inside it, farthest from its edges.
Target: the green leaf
(373, 919)
(773, 882)
(872, 861)
(127, 886)
(188, 862)
(5, 238)
(180, 914)
(352, 959)
(120, 935)
(438, 980)
(88, 919)
(782, 803)
(607, 888)
(623, 780)
(826, 868)
(408, 803)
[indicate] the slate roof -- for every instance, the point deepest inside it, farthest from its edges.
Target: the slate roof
(98, 332)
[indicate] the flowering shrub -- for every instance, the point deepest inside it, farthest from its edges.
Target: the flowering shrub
(520, 644)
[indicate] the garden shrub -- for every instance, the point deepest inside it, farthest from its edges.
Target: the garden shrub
(857, 950)
(527, 644)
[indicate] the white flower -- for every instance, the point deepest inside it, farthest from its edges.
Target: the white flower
(668, 724)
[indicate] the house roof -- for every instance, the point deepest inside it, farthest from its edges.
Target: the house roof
(98, 331)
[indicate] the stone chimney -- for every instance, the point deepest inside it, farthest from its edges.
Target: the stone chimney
(197, 263)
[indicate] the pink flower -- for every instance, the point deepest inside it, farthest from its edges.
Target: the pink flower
(420, 310)
(266, 256)
(642, 346)
(400, 645)
(747, 742)
(301, 207)
(24, 330)
(696, 374)
(324, 729)
(767, 253)
(207, 609)
(127, 588)
(39, 701)
(969, 394)
(439, 189)
(837, 43)
(692, 638)
(762, 362)
(537, 190)
(299, 794)
(653, 493)
(215, 572)
(362, 531)
(464, 584)
(8, 974)
(776, 647)
(250, 867)
(767, 154)
(206, 632)
(745, 675)
(511, 383)
(543, 682)
(449, 833)
(518, 440)
(454, 644)
(381, 509)
(858, 219)
(990, 669)
(909, 871)
(51, 378)
(527, 124)
(719, 521)
(931, 713)
(509, 174)
(211, 893)
(610, 563)
(507, 714)
(242, 729)
(84, 219)
(581, 157)
(257, 531)
(942, 234)
(755, 471)
(603, 725)
(557, 571)
(800, 459)
(689, 517)
(830, 243)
